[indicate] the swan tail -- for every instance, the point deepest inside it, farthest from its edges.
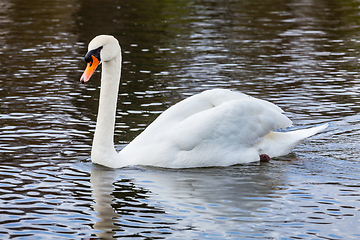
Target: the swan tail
(281, 143)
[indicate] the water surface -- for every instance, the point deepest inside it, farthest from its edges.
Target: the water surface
(301, 55)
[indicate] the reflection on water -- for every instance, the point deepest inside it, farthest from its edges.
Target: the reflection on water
(254, 202)
(102, 183)
(301, 55)
(178, 198)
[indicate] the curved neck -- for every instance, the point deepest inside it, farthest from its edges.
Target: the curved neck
(103, 150)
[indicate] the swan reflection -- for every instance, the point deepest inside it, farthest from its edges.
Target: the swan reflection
(102, 181)
(132, 201)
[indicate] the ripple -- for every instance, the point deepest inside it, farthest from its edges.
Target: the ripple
(302, 58)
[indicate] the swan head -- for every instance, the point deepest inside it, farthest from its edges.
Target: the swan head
(102, 48)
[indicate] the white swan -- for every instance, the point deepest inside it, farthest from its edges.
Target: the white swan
(213, 128)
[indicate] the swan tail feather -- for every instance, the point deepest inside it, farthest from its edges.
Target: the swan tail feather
(281, 143)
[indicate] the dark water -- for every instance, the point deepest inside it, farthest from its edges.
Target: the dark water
(301, 55)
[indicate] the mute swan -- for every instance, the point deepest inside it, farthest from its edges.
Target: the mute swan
(213, 128)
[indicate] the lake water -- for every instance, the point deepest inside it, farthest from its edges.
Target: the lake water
(301, 55)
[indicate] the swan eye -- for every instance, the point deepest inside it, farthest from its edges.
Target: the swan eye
(95, 53)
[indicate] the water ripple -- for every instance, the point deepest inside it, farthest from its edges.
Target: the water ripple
(300, 55)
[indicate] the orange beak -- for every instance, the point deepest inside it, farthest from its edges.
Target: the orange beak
(90, 69)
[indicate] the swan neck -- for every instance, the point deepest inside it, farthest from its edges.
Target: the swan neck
(103, 150)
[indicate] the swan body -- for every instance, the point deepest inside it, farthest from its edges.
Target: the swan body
(214, 128)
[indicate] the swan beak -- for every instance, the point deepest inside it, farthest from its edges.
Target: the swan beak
(90, 69)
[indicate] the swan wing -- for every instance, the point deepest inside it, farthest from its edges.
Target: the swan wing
(236, 122)
(205, 101)
(224, 135)
(214, 128)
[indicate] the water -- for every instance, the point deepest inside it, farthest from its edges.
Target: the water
(301, 55)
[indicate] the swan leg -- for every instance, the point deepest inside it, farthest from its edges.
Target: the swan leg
(264, 158)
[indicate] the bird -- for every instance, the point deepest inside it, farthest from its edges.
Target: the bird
(217, 127)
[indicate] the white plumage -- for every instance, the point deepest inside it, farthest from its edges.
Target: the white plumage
(214, 128)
